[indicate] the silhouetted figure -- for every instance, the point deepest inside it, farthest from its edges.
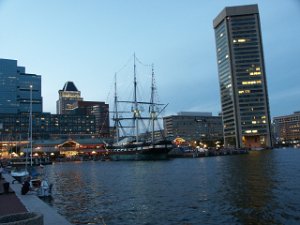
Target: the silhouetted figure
(1, 170)
(26, 186)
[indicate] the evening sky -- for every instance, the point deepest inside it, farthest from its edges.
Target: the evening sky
(87, 42)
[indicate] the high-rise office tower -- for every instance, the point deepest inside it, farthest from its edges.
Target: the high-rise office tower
(242, 77)
(100, 110)
(15, 88)
(68, 99)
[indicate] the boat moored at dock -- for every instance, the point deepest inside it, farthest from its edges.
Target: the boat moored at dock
(141, 151)
(131, 141)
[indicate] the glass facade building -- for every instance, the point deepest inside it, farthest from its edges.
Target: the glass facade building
(15, 88)
(15, 126)
(242, 78)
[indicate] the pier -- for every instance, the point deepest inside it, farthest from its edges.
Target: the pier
(195, 153)
(14, 202)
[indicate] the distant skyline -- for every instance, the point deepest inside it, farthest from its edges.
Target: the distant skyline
(87, 42)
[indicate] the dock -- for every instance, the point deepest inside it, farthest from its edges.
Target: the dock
(10, 203)
(194, 153)
(15, 203)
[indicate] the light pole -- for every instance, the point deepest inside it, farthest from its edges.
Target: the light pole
(30, 121)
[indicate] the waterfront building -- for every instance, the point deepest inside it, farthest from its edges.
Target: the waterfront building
(46, 126)
(287, 129)
(242, 77)
(16, 86)
(98, 109)
(194, 126)
(67, 147)
(68, 98)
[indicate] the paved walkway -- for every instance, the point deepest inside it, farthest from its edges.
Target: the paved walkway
(9, 202)
(32, 203)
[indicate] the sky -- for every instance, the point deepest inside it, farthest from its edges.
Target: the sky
(87, 42)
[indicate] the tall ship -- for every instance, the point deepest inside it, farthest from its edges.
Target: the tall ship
(138, 135)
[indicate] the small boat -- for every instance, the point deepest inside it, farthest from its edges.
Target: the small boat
(17, 162)
(19, 174)
(41, 187)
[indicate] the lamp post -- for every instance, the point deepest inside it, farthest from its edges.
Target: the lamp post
(30, 122)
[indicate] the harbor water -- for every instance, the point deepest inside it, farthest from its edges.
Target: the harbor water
(261, 187)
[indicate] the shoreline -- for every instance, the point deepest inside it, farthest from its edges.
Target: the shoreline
(32, 203)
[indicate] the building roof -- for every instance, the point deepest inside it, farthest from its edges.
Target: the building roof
(48, 142)
(69, 86)
(82, 141)
(90, 141)
(235, 11)
(194, 113)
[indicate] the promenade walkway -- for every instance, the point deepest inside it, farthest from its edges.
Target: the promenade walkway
(9, 202)
(29, 202)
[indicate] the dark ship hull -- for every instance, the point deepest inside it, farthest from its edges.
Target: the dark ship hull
(141, 151)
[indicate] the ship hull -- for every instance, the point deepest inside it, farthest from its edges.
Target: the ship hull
(140, 152)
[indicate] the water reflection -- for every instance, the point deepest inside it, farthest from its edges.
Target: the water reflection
(245, 189)
(249, 182)
(72, 182)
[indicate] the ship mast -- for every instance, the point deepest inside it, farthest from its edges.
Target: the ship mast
(30, 130)
(135, 109)
(116, 111)
(152, 109)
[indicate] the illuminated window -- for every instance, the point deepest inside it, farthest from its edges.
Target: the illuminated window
(242, 40)
(254, 121)
(252, 82)
(255, 73)
(234, 41)
(221, 35)
(251, 131)
(257, 69)
(226, 56)
(244, 91)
